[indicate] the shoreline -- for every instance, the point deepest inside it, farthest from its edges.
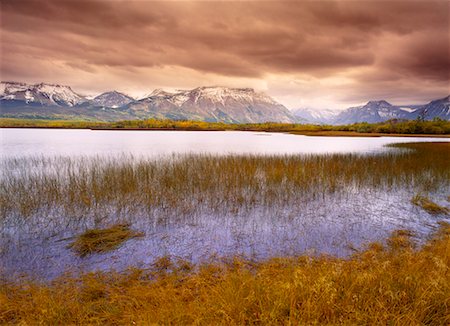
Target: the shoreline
(324, 133)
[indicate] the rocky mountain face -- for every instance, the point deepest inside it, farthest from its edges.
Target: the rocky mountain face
(39, 94)
(309, 115)
(378, 111)
(372, 112)
(435, 109)
(112, 99)
(215, 104)
(234, 105)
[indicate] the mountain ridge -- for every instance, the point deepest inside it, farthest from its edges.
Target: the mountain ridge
(204, 103)
(112, 99)
(375, 111)
(42, 93)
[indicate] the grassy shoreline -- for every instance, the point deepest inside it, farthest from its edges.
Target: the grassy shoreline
(395, 284)
(436, 128)
(329, 133)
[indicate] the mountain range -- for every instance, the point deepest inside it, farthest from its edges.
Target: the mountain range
(213, 104)
(378, 111)
(233, 105)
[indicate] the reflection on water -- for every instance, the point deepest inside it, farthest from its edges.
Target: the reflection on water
(48, 142)
(335, 224)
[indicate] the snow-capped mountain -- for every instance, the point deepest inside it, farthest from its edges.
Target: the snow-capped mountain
(372, 112)
(39, 94)
(435, 109)
(379, 111)
(112, 99)
(310, 115)
(221, 104)
(224, 104)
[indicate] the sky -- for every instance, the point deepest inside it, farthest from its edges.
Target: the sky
(315, 54)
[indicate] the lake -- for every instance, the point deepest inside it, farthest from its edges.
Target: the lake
(69, 142)
(269, 216)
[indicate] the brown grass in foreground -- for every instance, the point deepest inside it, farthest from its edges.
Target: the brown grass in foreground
(393, 284)
(103, 240)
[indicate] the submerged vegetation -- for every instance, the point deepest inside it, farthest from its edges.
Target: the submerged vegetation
(400, 280)
(188, 184)
(428, 205)
(392, 127)
(395, 284)
(103, 240)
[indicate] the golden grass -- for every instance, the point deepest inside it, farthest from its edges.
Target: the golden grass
(393, 284)
(103, 240)
(428, 205)
(77, 187)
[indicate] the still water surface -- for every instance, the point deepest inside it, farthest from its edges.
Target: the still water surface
(57, 142)
(38, 245)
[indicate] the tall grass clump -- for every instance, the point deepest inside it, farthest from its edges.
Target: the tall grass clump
(428, 205)
(103, 240)
(186, 184)
(392, 284)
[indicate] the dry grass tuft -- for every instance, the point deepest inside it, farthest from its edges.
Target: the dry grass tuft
(103, 240)
(401, 239)
(428, 205)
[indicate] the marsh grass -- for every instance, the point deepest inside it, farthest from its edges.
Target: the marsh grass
(103, 240)
(187, 184)
(428, 205)
(392, 284)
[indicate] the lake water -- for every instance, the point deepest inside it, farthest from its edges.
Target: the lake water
(55, 142)
(331, 225)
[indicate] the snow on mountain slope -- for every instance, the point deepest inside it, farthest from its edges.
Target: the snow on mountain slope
(59, 94)
(213, 104)
(44, 94)
(9, 88)
(372, 112)
(379, 111)
(315, 116)
(435, 109)
(222, 94)
(112, 99)
(408, 109)
(233, 105)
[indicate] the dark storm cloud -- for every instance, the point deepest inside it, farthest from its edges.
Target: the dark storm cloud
(392, 40)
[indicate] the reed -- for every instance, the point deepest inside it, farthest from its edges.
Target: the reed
(396, 281)
(185, 184)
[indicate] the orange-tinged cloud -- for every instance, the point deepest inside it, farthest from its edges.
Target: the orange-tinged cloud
(296, 51)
